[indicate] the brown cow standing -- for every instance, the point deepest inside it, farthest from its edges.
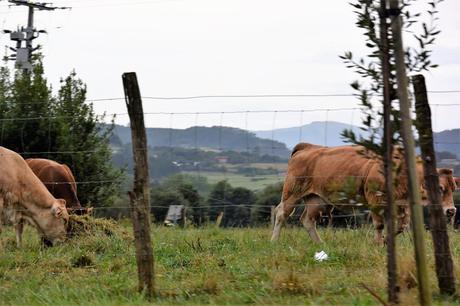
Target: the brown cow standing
(23, 198)
(322, 176)
(59, 180)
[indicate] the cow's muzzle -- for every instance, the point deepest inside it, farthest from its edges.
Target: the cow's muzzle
(450, 212)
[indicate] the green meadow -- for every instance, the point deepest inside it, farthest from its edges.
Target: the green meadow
(215, 266)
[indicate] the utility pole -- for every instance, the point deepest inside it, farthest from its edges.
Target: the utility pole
(24, 36)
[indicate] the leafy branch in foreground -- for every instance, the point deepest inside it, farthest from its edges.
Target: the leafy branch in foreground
(369, 67)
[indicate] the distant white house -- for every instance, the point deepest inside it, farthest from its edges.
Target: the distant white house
(222, 159)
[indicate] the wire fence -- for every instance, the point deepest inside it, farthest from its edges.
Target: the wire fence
(246, 121)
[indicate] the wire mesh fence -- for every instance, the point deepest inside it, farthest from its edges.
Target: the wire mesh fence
(213, 145)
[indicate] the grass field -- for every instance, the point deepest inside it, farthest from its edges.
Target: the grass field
(281, 167)
(239, 180)
(208, 266)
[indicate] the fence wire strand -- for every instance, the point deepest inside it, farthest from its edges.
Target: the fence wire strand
(246, 116)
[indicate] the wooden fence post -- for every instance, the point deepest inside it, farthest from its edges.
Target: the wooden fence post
(390, 217)
(409, 155)
(219, 218)
(140, 196)
(438, 223)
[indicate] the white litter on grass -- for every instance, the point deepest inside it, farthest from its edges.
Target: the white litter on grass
(321, 256)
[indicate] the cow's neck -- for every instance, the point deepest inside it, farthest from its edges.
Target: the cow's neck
(40, 196)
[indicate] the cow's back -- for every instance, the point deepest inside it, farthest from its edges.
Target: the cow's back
(14, 173)
(18, 181)
(57, 178)
(324, 171)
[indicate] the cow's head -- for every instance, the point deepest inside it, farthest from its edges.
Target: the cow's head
(53, 223)
(447, 187)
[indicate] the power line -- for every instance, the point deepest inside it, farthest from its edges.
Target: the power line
(282, 95)
(239, 97)
(337, 109)
(248, 96)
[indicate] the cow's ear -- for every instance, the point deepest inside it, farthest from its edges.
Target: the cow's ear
(57, 211)
(89, 211)
(62, 202)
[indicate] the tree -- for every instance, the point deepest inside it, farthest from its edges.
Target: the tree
(79, 130)
(380, 72)
(218, 199)
(269, 196)
(199, 182)
(28, 109)
(193, 202)
(176, 191)
(239, 214)
(62, 128)
(161, 199)
(369, 68)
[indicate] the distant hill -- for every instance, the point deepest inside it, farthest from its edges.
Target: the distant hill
(315, 132)
(207, 138)
(321, 133)
(448, 141)
(276, 142)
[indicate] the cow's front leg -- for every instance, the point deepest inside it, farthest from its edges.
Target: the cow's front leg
(314, 206)
(282, 212)
(19, 226)
(378, 222)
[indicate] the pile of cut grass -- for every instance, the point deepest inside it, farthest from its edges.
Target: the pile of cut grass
(87, 225)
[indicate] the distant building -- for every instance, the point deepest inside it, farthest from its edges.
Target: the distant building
(222, 159)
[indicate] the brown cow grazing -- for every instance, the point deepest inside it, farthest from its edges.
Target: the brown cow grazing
(323, 177)
(59, 180)
(23, 198)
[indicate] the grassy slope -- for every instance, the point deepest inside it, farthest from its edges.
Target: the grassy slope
(239, 180)
(198, 266)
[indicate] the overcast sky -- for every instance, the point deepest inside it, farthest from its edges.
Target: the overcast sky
(224, 47)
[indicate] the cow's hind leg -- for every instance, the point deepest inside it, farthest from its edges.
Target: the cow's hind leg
(282, 212)
(314, 207)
